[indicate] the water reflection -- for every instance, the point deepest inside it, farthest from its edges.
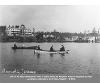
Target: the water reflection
(38, 55)
(14, 51)
(51, 54)
(63, 54)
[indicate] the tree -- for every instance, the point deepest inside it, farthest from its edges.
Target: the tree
(94, 33)
(39, 37)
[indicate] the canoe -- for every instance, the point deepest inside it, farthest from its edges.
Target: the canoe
(31, 47)
(51, 52)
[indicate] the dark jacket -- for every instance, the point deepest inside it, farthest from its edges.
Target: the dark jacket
(51, 49)
(62, 49)
(38, 48)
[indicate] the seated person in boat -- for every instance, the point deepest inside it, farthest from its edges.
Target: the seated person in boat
(51, 48)
(15, 46)
(62, 48)
(38, 47)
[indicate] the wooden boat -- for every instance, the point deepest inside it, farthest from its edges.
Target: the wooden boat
(23, 47)
(51, 52)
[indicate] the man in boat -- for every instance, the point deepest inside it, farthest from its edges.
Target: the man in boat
(51, 48)
(62, 48)
(38, 47)
(15, 46)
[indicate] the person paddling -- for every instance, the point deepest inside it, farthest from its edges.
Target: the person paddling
(62, 48)
(51, 48)
(38, 47)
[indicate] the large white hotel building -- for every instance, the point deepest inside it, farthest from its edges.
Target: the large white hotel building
(19, 31)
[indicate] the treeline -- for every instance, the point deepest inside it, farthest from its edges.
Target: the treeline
(17, 39)
(37, 38)
(43, 37)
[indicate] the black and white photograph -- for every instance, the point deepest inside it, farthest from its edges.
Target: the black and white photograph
(50, 40)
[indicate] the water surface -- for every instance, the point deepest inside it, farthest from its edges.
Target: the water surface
(83, 58)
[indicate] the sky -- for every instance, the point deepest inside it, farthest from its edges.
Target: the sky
(65, 18)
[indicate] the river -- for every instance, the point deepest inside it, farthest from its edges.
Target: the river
(83, 58)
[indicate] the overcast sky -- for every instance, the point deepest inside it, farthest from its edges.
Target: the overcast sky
(47, 18)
